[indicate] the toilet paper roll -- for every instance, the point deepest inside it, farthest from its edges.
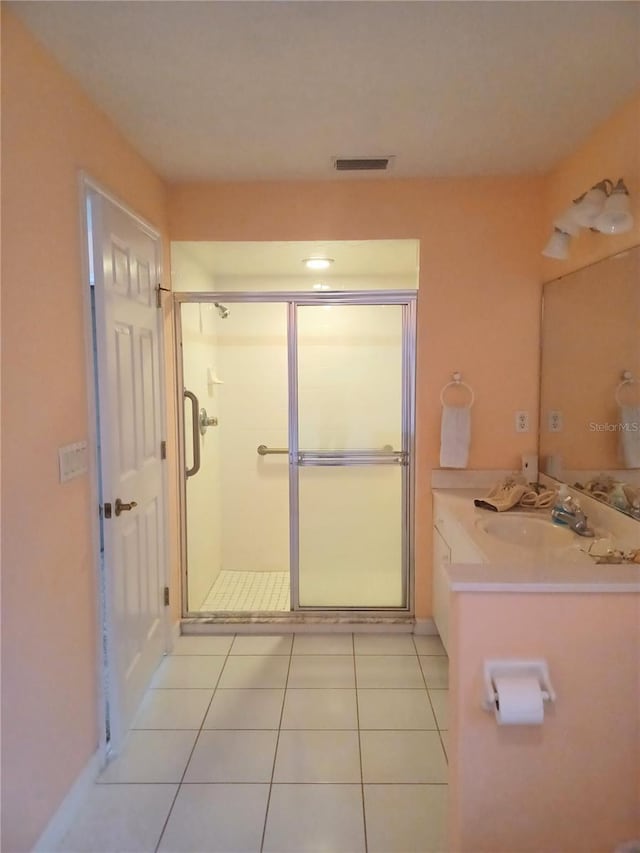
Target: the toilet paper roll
(519, 701)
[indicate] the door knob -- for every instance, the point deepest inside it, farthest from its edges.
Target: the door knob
(123, 507)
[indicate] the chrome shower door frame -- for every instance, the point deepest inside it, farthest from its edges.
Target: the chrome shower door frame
(407, 299)
(348, 458)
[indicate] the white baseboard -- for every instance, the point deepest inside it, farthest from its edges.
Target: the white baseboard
(65, 814)
(171, 634)
(425, 626)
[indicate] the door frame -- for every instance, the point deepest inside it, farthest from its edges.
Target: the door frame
(106, 626)
(291, 300)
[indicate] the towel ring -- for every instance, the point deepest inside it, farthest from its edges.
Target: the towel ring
(627, 379)
(457, 382)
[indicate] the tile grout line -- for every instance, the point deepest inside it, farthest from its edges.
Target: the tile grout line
(364, 809)
(195, 743)
(433, 710)
(275, 754)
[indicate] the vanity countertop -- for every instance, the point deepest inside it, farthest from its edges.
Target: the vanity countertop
(514, 568)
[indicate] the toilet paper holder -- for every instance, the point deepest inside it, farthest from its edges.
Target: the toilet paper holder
(515, 667)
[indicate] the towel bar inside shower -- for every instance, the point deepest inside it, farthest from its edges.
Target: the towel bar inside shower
(263, 450)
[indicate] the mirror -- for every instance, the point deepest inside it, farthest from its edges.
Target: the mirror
(589, 432)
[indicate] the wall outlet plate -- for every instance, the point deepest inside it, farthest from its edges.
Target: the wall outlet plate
(554, 421)
(522, 421)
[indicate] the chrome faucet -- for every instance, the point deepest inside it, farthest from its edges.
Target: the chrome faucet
(575, 519)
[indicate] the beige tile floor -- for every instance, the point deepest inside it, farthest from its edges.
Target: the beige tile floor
(332, 743)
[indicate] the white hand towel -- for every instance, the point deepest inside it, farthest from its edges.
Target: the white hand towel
(630, 436)
(455, 436)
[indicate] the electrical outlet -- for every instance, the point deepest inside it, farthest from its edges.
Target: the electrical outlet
(522, 421)
(554, 421)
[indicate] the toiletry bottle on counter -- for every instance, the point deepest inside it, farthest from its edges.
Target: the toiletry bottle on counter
(562, 505)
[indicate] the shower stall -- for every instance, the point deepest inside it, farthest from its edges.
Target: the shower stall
(297, 428)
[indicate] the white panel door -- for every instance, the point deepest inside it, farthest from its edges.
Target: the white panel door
(126, 270)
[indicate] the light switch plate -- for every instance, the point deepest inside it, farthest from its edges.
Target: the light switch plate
(72, 460)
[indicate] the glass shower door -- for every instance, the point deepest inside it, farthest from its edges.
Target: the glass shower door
(351, 442)
(235, 498)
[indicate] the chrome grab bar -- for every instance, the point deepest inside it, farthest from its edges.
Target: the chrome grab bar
(263, 450)
(195, 430)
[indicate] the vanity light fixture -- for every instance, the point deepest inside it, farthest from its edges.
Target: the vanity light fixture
(604, 208)
(616, 217)
(558, 245)
(317, 263)
(587, 207)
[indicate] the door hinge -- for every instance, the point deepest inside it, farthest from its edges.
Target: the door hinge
(166, 596)
(163, 450)
(106, 510)
(159, 291)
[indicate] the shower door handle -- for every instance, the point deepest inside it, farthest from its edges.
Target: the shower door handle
(195, 430)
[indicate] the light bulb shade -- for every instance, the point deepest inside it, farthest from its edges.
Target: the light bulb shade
(587, 209)
(558, 245)
(567, 222)
(616, 215)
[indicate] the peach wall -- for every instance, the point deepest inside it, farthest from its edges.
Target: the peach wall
(50, 130)
(611, 151)
(571, 784)
(479, 299)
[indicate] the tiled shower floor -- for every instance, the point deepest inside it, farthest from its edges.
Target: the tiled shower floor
(248, 591)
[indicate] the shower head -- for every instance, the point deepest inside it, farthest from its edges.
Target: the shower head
(223, 311)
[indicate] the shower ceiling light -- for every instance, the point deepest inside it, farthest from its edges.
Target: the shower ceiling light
(317, 263)
(604, 208)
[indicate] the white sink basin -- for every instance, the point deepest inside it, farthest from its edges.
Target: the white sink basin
(527, 531)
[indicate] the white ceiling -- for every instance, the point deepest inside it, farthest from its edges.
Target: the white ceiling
(273, 90)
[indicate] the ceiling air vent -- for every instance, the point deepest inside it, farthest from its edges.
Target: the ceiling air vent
(362, 164)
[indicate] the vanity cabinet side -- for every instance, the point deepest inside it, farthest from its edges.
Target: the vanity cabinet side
(441, 559)
(451, 544)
